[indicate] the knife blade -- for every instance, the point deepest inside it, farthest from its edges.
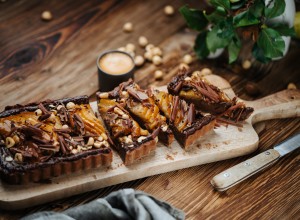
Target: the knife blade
(242, 171)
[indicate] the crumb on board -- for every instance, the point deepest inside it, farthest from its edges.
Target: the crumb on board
(169, 157)
(167, 185)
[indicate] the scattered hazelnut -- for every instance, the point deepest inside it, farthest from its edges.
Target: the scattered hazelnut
(252, 89)
(196, 74)
(130, 47)
(97, 144)
(38, 112)
(106, 144)
(79, 148)
(156, 51)
(291, 86)
(9, 142)
(157, 60)
(100, 138)
(90, 141)
(188, 78)
(54, 111)
(140, 139)
(139, 60)
(70, 105)
(125, 93)
(206, 71)
(121, 49)
(65, 127)
(143, 41)
(187, 59)
(46, 16)
(183, 66)
(59, 107)
(148, 55)
(104, 136)
(130, 146)
(164, 128)
(16, 138)
(128, 27)
(124, 116)
(103, 95)
(246, 64)
(149, 47)
(74, 151)
(158, 74)
(118, 111)
(169, 10)
(8, 159)
(19, 157)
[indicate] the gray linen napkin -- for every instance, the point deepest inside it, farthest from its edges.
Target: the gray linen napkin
(122, 204)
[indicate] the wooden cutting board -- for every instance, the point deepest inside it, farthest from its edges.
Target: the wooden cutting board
(220, 144)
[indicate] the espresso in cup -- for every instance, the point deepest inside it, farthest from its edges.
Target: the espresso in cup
(114, 67)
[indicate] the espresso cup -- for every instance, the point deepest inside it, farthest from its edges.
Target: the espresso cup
(114, 67)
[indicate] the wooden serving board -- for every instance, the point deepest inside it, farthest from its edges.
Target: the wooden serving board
(220, 144)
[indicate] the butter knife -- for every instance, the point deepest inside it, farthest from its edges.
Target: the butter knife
(242, 171)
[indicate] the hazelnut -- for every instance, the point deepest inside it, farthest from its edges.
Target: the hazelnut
(143, 41)
(118, 111)
(130, 146)
(206, 71)
(46, 16)
(70, 105)
(79, 147)
(125, 94)
(124, 116)
(128, 27)
(183, 66)
(188, 78)
(59, 107)
(157, 60)
(158, 74)
(97, 144)
(121, 49)
(196, 74)
(140, 139)
(246, 64)
(156, 51)
(139, 60)
(16, 138)
(19, 157)
(38, 112)
(8, 159)
(164, 128)
(291, 86)
(130, 47)
(9, 142)
(65, 127)
(74, 151)
(103, 95)
(106, 144)
(100, 138)
(148, 55)
(54, 111)
(187, 59)
(149, 47)
(169, 10)
(90, 141)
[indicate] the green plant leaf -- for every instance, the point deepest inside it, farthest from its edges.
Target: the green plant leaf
(223, 3)
(194, 18)
(245, 18)
(236, 4)
(271, 43)
(257, 8)
(216, 16)
(283, 29)
(200, 46)
(258, 53)
(234, 48)
(277, 9)
(213, 41)
(226, 29)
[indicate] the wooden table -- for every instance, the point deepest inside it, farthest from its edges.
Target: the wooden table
(55, 59)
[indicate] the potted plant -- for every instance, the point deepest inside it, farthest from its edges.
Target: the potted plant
(268, 23)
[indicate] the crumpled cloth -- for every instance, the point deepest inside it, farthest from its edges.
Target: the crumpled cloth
(122, 204)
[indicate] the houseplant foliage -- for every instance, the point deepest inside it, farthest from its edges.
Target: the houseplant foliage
(232, 20)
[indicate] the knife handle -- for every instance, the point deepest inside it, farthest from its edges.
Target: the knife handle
(242, 171)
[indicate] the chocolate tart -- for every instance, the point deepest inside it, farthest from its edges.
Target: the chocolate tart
(206, 97)
(187, 123)
(39, 141)
(131, 141)
(142, 108)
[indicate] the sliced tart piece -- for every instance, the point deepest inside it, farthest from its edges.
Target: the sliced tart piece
(187, 123)
(193, 88)
(142, 108)
(131, 141)
(39, 141)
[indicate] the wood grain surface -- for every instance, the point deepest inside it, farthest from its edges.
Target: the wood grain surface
(55, 59)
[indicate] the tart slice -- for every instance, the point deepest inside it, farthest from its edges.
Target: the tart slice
(187, 123)
(208, 98)
(131, 141)
(142, 108)
(39, 141)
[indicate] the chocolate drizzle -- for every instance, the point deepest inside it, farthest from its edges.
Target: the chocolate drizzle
(79, 124)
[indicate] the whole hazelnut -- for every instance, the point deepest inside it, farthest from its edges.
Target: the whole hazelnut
(157, 60)
(169, 10)
(188, 59)
(46, 16)
(291, 86)
(246, 64)
(158, 74)
(143, 41)
(128, 27)
(139, 60)
(130, 47)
